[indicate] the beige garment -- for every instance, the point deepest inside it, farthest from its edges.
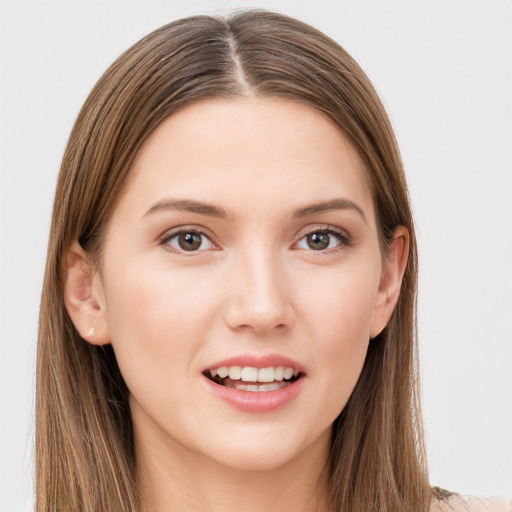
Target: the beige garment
(458, 503)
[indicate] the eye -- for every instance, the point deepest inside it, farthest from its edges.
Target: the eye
(189, 241)
(322, 239)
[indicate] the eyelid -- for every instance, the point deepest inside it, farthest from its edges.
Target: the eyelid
(313, 228)
(171, 233)
(343, 236)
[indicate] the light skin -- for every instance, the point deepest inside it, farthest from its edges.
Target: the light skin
(286, 261)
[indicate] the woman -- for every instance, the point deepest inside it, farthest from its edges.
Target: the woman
(228, 310)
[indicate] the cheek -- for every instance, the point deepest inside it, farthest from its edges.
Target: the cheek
(159, 321)
(340, 304)
(158, 318)
(340, 310)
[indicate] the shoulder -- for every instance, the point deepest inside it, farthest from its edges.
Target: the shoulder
(458, 503)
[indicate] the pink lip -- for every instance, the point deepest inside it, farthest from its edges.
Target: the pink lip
(255, 401)
(263, 361)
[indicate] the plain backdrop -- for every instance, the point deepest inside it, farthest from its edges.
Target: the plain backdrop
(444, 72)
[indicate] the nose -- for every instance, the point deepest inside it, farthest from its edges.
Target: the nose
(259, 296)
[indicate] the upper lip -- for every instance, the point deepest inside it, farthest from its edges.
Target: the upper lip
(259, 361)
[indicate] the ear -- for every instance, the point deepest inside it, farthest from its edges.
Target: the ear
(84, 296)
(390, 281)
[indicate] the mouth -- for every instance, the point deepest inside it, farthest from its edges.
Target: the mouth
(253, 379)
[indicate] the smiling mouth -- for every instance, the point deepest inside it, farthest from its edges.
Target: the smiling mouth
(248, 378)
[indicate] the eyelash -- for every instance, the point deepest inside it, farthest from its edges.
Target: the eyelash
(184, 231)
(342, 236)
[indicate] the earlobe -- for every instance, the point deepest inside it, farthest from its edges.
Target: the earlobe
(84, 296)
(391, 280)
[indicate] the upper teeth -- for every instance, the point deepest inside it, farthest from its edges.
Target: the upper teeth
(251, 374)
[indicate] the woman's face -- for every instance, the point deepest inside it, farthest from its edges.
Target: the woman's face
(244, 239)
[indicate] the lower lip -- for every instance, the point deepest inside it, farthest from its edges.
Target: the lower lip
(255, 401)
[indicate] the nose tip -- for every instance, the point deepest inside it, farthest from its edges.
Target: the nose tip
(259, 315)
(260, 300)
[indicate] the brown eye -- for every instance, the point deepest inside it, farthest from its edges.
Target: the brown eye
(318, 241)
(327, 240)
(189, 241)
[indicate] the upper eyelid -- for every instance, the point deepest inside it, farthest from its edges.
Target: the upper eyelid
(171, 233)
(326, 227)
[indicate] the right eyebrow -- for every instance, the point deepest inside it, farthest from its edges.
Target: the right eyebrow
(187, 205)
(334, 204)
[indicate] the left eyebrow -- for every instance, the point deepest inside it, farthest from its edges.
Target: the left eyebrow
(189, 206)
(334, 204)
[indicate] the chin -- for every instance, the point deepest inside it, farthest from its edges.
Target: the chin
(255, 458)
(257, 451)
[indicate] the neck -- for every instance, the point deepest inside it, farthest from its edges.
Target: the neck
(171, 477)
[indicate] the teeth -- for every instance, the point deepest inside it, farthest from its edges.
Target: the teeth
(271, 387)
(259, 388)
(279, 373)
(251, 374)
(222, 372)
(235, 372)
(266, 375)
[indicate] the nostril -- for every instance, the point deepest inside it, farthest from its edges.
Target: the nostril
(263, 329)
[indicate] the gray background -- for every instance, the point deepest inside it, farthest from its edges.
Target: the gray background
(444, 72)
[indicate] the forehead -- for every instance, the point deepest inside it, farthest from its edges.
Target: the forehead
(272, 152)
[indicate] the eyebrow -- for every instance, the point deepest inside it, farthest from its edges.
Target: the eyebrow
(189, 206)
(334, 204)
(210, 210)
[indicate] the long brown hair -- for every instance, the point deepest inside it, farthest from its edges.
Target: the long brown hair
(84, 441)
